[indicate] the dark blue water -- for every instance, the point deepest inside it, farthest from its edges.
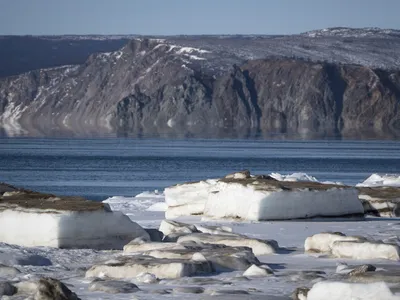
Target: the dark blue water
(99, 168)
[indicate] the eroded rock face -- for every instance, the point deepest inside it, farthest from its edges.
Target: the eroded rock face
(205, 94)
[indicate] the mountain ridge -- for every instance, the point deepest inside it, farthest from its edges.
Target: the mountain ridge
(191, 87)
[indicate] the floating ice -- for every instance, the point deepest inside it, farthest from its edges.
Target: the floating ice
(151, 201)
(381, 180)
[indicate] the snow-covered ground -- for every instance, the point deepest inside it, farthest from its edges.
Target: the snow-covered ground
(292, 266)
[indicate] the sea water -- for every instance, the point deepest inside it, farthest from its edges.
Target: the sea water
(101, 168)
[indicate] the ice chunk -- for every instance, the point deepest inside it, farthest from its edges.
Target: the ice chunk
(322, 242)
(189, 192)
(188, 209)
(381, 180)
(343, 290)
(365, 250)
(214, 229)
(68, 229)
(144, 201)
(147, 278)
(168, 226)
(257, 201)
(132, 266)
(133, 246)
(8, 271)
(259, 247)
(294, 177)
(257, 271)
(159, 206)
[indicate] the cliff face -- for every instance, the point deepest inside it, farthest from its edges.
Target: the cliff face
(150, 87)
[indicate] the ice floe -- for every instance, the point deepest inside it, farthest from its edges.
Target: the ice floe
(381, 180)
(151, 201)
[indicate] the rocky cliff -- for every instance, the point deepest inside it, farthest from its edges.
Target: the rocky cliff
(155, 87)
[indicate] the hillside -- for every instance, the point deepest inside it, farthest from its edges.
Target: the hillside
(336, 82)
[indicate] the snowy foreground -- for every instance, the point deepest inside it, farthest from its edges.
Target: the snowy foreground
(224, 259)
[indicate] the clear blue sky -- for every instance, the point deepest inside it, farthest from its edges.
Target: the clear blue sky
(167, 17)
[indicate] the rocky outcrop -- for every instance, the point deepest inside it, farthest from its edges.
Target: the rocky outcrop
(153, 87)
(45, 288)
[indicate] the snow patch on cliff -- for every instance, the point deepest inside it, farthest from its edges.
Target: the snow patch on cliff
(9, 120)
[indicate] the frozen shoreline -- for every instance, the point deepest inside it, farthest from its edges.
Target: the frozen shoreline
(293, 268)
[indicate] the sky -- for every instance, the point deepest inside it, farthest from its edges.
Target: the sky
(171, 17)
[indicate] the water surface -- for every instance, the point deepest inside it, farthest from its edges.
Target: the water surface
(100, 168)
